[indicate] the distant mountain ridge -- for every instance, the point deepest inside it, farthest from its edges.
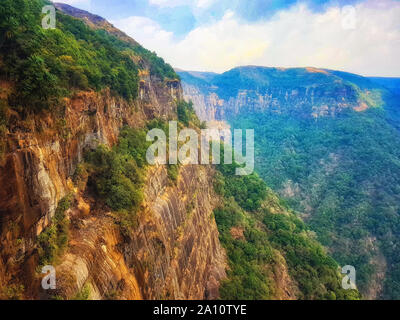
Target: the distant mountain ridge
(329, 143)
(75, 106)
(310, 92)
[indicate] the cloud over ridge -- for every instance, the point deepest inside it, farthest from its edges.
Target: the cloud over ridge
(363, 38)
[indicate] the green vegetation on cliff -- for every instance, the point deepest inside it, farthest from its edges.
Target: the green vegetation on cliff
(54, 240)
(256, 232)
(328, 142)
(344, 172)
(46, 65)
(116, 175)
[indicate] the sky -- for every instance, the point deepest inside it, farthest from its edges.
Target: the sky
(359, 36)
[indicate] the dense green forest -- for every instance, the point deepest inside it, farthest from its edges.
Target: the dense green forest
(344, 174)
(269, 229)
(45, 65)
(48, 64)
(339, 169)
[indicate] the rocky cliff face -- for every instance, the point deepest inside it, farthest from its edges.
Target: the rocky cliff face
(177, 244)
(308, 92)
(174, 252)
(208, 106)
(314, 102)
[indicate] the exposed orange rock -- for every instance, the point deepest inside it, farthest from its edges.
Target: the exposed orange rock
(286, 288)
(316, 70)
(362, 107)
(94, 258)
(237, 233)
(155, 261)
(5, 88)
(83, 207)
(172, 253)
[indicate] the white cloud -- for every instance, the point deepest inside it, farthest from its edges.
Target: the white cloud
(293, 37)
(202, 4)
(168, 3)
(149, 33)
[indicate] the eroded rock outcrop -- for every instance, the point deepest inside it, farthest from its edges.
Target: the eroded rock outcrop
(303, 92)
(172, 253)
(42, 154)
(308, 102)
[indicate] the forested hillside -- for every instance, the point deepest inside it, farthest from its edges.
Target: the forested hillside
(46, 65)
(271, 252)
(343, 175)
(78, 195)
(328, 143)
